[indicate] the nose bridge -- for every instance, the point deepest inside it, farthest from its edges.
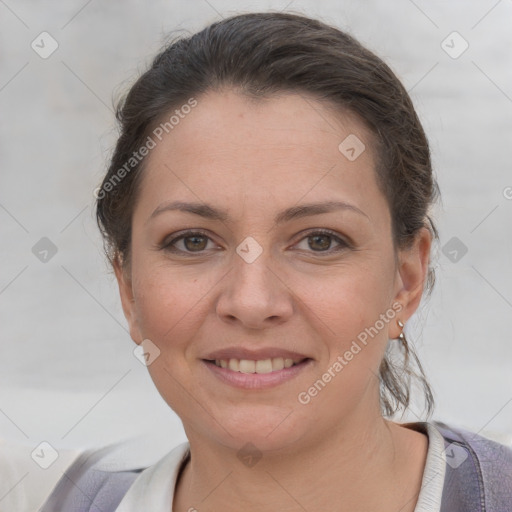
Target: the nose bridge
(253, 293)
(251, 280)
(251, 265)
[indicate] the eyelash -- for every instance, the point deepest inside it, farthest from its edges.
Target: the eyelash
(167, 246)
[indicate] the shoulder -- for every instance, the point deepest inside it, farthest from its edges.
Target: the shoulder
(478, 471)
(100, 478)
(88, 484)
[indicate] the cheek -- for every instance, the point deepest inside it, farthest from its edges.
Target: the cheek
(158, 307)
(356, 305)
(169, 314)
(351, 299)
(171, 303)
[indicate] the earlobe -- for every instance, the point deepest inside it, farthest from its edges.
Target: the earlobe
(412, 274)
(127, 299)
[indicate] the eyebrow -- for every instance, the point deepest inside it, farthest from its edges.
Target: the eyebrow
(209, 212)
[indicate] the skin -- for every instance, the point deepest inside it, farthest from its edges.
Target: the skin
(255, 159)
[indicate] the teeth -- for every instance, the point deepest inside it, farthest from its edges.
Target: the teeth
(246, 366)
(262, 366)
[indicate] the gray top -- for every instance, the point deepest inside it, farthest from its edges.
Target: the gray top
(464, 472)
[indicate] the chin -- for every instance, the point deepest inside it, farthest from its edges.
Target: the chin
(266, 427)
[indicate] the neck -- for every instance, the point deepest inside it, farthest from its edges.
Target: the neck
(375, 468)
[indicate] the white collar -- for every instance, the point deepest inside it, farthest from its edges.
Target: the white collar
(153, 489)
(432, 483)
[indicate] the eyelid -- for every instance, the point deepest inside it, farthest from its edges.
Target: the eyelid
(343, 241)
(176, 237)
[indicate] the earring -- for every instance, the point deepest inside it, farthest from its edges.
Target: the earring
(401, 337)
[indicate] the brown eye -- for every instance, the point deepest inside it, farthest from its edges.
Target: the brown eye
(187, 243)
(195, 243)
(322, 242)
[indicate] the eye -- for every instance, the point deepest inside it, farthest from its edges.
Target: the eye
(321, 241)
(191, 242)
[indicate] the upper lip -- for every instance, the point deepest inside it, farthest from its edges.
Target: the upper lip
(253, 354)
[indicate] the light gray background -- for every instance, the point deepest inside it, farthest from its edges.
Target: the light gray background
(67, 370)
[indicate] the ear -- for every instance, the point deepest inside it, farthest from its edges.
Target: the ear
(127, 299)
(411, 277)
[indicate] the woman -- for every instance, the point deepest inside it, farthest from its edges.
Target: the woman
(266, 213)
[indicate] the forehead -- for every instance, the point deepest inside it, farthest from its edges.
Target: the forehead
(269, 152)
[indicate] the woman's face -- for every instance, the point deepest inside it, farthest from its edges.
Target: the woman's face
(266, 275)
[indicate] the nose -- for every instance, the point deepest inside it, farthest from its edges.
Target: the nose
(255, 294)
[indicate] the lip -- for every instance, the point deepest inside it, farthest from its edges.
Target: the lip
(254, 355)
(256, 380)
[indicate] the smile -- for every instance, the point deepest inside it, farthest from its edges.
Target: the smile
(256, 374)
(260, 366)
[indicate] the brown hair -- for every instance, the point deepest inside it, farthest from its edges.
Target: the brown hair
(261, 54)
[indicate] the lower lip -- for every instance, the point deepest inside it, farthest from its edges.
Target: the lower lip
(256, 380)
